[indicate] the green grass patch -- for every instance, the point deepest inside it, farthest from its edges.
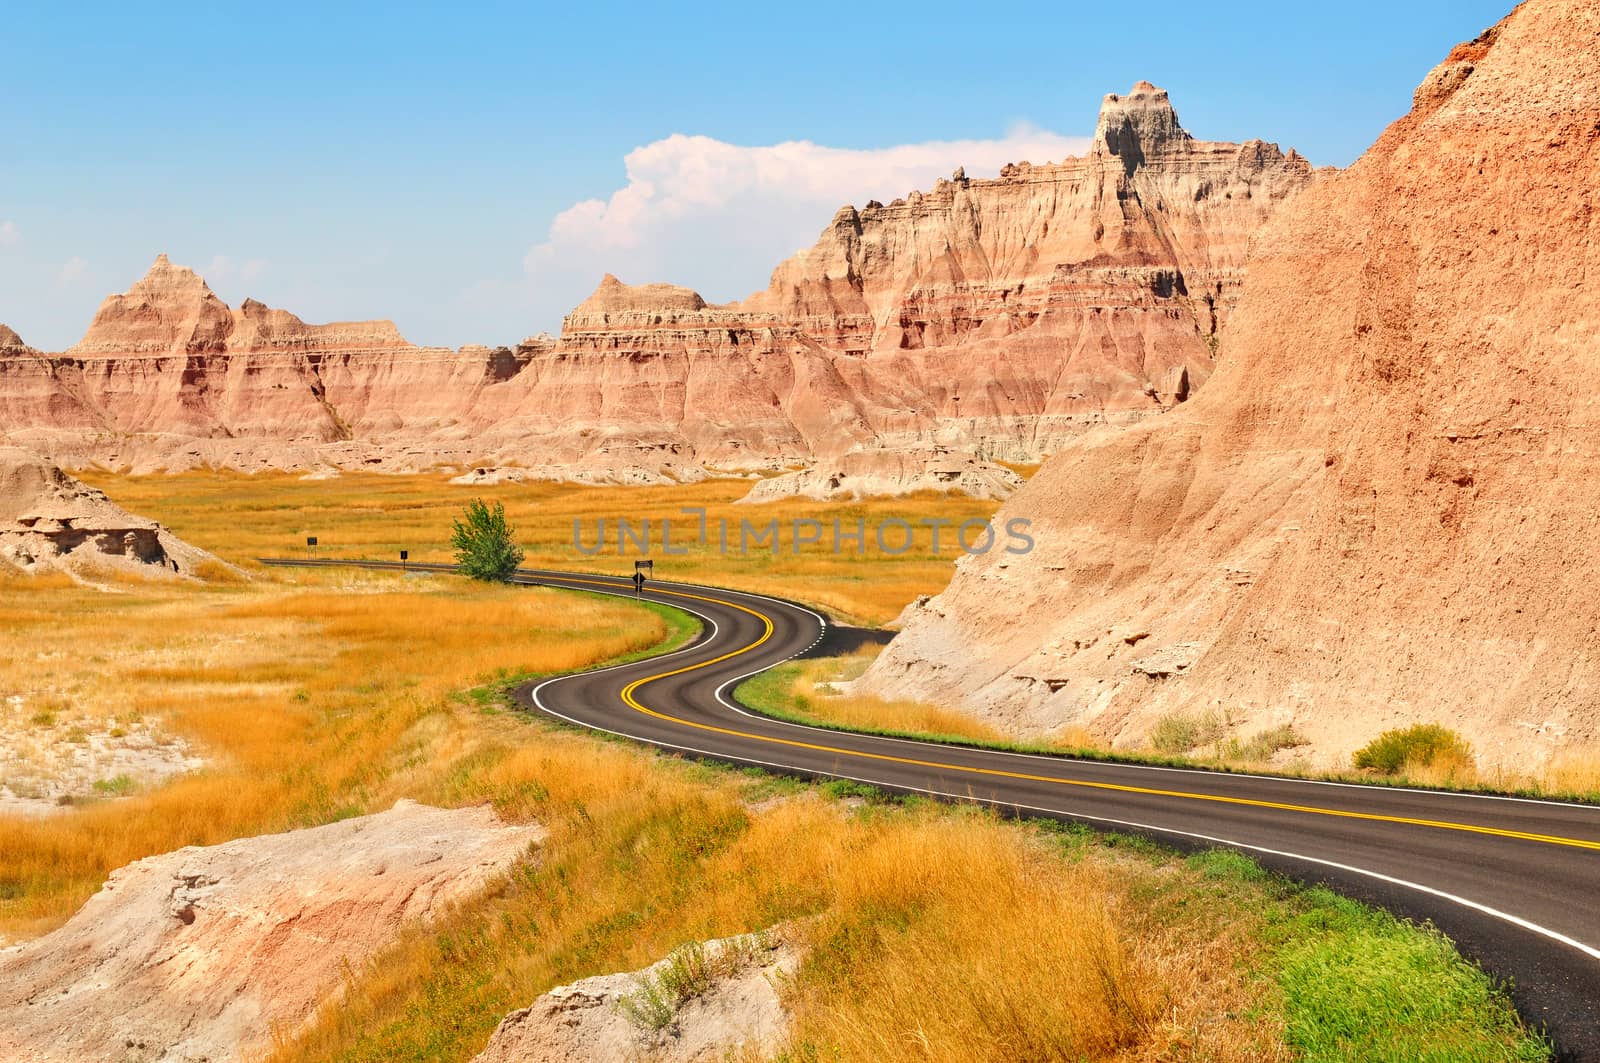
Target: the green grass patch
(1354, 984)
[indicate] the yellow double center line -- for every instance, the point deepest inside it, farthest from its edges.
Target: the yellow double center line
(766, 633)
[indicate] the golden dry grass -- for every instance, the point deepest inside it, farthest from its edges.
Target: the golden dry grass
(241, 517)
(1072, 954)
(1574, 771)
(312, 696)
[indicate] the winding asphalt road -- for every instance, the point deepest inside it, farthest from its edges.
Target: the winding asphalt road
(1515, 882)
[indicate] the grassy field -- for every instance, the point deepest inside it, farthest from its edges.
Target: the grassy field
(311, 696)
(316, 695)
(241, 517)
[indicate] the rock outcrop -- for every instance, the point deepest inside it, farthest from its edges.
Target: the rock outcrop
(203, 953)
(51, 520)
(996, 318)
(1381, 509)
(734, 1007)
(11, 343)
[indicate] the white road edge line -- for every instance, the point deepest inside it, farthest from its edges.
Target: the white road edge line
(1495, 913)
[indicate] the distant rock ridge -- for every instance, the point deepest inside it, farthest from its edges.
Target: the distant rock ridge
(172, 311)
(992, 319)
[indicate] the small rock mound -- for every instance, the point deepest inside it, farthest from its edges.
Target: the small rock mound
(201, 953)
(705, 1002)
(51, 520)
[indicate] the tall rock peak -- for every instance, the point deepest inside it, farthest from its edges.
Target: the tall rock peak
(1138, 125)
(169, 310)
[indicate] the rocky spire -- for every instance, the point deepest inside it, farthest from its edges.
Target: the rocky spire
(170, 310)
(1139, 125)
(10, 342)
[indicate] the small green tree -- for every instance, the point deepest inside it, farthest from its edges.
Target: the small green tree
(486, 546)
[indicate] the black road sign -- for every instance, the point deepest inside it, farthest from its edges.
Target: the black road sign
(638, 581)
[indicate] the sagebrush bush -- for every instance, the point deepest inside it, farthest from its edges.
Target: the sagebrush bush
(1422, 745)
(1179, 732)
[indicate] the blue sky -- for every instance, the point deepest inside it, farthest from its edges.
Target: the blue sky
(457, 169)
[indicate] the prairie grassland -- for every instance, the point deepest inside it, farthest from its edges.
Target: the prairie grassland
(315, 695)
(311, 696)
(241, 517)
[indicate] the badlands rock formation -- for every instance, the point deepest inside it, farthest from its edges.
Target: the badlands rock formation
(50, 520)
(738, 1015)
(1383, 507)
(997, 318)
(201, 953)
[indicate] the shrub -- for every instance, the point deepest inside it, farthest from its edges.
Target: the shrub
(1179, 732)
(485, 544)
(687, 973)
(1420, 746)
(117, 786)
(1263, 744)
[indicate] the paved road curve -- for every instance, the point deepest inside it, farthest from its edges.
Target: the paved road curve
(1515, 882)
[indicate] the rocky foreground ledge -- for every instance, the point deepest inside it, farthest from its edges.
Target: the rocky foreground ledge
(200, 954)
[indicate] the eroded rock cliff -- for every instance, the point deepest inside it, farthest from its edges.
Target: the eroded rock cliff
(995, 318)
(1381, 509)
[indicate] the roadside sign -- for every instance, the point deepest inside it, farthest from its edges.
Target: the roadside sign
(404, 554)
(638, 581)
(645, 566)
(311, 545)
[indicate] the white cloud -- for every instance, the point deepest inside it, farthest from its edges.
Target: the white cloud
(717, 216)
(74, 270)
(9, 234)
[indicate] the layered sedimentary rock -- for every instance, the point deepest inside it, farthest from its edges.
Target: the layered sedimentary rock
(48, 520)
(998, 318)
(208, 953)
(1381, 510)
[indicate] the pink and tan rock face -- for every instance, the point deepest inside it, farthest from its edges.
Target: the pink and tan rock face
(203, 953)
(1380, 510)
(995, 317)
